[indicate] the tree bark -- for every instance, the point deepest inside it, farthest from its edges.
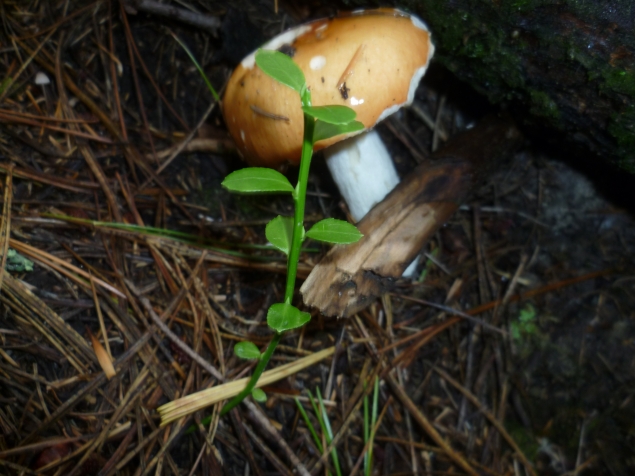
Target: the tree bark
(571, 65)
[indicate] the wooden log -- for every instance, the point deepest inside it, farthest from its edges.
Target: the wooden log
(566, 67)
(395, 230)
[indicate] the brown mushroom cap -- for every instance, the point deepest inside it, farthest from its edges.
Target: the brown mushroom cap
(371, 61)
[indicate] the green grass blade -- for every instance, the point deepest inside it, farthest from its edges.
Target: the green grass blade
(315, 409)
(318, 415)
(373, 422)
(183, 237)
(366, 432)
(198, 67)
(309, 425)
(328, 433)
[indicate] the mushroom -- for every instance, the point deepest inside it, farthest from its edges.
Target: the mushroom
(369, 60)
(42, 80)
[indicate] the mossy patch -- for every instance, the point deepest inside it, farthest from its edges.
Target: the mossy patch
(497, 66)
(622, 128)
(543, 105)
(524, 438)
(618, 81)
(580, 55)
(508, 51)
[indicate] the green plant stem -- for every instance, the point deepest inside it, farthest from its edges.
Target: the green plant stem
(300, 201)
(260, 368)
(299, 197)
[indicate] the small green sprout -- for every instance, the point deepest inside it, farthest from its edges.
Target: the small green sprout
(285, 233)
(259, 395)
(17, 262)
(246, 350)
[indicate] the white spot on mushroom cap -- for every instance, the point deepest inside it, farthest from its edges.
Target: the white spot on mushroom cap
(288, 37)
(356, 102)
(242, 135)
(317, 62)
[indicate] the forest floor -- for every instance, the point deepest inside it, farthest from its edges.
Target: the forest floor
(106, 239)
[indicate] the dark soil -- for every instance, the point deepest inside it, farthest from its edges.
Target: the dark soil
(548, 240)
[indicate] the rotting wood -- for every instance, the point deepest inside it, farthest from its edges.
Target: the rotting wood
(395, 230)
(568, 66)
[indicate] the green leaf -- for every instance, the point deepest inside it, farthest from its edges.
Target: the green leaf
(6, 82)
(331, 230)
(525, 325)
(246, 350)
(17, 262)
(259, 395)
(331, 114)
(324, 130)
(281, 68)
(257, 180)
(527, 314)
(279, 232)
(283, 317)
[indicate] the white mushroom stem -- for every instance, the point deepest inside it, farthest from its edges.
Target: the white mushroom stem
(362, 170)
(364, 173)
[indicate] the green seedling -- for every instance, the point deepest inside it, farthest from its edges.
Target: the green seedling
(325, 425)
(259, 395)
(525, 325)
(17, 262)
(247, 350)
(285, 233)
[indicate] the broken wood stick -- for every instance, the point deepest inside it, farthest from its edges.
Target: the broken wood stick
(350, 277)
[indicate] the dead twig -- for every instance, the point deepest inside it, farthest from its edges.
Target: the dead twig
(490, 416)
